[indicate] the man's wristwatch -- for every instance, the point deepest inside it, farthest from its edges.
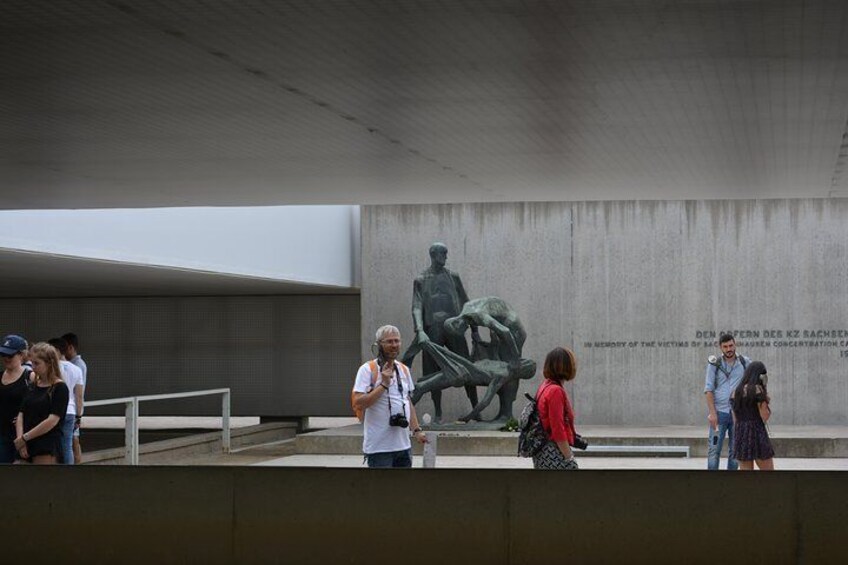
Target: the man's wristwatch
(416, 430)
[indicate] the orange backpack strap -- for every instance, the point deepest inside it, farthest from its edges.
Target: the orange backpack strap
(372, 365)
(358, 412)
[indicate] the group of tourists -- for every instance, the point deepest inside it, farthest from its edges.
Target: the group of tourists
(382, 394)
(41, 400)
(736, 395)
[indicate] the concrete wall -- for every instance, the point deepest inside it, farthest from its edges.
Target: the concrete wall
(640, 290)
(262, 515)
(280, 355)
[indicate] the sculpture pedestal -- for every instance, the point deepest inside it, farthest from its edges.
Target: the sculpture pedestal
(472, 426)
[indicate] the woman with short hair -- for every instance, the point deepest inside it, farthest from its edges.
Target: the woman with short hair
(39, 437)
(555, 412)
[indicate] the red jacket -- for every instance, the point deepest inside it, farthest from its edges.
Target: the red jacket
(555, 412)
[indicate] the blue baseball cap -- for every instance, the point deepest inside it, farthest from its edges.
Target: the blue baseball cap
(12, 344)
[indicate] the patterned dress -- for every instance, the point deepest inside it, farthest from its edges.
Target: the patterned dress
(555, 413)
(551, 458)
(750, 437)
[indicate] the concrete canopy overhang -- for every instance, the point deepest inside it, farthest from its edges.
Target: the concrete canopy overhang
(44, 275)
(123, 103)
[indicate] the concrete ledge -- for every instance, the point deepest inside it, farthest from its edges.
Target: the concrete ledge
(260, 514)
(638, 450)
(190, 446)
(788, 441)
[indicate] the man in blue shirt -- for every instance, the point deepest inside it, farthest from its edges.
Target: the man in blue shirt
(721, 380)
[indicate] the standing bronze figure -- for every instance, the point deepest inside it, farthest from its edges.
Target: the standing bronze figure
(437, 295)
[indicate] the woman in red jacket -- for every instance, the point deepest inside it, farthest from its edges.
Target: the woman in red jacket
(555, 412)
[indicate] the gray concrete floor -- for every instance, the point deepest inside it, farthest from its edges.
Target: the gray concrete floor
(481, 462)
(252, 456)
(589, 462)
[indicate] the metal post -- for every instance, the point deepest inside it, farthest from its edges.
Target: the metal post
(131, 432)
(430, 449)
(225, 421)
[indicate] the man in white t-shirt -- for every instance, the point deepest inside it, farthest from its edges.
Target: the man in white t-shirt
(384, 397)
(72, 375)
(74, 357)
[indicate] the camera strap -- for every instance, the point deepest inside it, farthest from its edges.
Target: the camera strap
(400, 390)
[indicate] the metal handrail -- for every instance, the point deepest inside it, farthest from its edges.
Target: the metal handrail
(131, 412)
(130, 426)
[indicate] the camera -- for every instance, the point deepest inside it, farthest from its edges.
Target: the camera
(579, 442)
(398, 420)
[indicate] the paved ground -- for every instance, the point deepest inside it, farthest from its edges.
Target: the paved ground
(269, 455)
(459, 462)
(342, 426)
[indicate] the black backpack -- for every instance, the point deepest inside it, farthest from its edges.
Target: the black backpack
(531, 434)
(717, 366)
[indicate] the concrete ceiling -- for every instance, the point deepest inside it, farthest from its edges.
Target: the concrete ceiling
(26, 275)
(122, 103)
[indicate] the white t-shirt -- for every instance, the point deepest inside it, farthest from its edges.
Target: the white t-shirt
(379, 436)
(82, 367)
(72, 375)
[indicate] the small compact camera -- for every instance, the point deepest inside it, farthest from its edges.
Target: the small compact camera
(398, 420)
(579, 442)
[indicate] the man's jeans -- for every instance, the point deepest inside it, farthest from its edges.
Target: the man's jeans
(68, 439)
(716, 441)
(401, 458)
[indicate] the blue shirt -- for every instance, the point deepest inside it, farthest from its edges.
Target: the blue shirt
(723, 381)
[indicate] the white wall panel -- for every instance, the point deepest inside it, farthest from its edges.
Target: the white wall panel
(308, 244)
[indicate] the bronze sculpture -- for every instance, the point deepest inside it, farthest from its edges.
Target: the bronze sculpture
(437, 295)
(496, 364)
(499, 377)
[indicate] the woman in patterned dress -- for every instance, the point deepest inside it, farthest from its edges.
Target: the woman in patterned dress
(555, 412)
(750, 402)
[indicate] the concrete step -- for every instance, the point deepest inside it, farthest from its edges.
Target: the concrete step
(253, 455)
(182, 450)
(788, 441)
(281, 448)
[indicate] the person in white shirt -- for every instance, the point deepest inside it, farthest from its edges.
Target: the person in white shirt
(384, 397)
(72, 375)
(74, 357)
